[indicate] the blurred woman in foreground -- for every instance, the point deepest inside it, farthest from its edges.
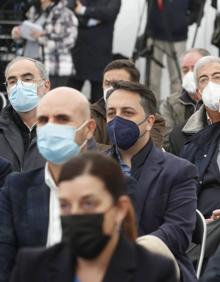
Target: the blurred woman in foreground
(99, 232)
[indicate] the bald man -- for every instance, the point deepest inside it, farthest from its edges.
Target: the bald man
(29, 211)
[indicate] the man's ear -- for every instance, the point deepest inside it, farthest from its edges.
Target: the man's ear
(150, 122)
(91, 126)
(47, 85)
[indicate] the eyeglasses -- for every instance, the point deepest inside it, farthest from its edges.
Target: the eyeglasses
(25, 82)
(203, 80)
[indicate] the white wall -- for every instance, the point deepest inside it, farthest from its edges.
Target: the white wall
(127, 25)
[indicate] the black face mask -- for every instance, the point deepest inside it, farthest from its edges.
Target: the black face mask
(84, 233)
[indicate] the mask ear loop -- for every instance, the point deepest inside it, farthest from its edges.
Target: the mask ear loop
(86, 140)
(140, 123)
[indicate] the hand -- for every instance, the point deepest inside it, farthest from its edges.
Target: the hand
(78, 7)
(16, 32)
(215, 214)
(36, 34)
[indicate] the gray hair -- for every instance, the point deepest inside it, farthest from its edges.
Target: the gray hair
(204, 61)
(203, 52)
(41, 68)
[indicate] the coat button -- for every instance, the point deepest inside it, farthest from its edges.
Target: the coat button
(205, 156)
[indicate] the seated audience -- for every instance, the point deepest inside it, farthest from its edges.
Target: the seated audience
(29, 201)
(26, 82)
(178, 107)
(166, 185)
(120, 70)
(98, 225)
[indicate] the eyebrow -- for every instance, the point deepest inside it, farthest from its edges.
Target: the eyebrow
(123, 108)
(205, 75)
(23, 75)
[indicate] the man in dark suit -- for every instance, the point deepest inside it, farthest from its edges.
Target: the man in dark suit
(5, 169)
(93, 50)
(166, 185)
(26, 82)
(29, 210)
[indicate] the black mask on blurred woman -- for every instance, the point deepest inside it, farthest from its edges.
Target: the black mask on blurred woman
(85, 234)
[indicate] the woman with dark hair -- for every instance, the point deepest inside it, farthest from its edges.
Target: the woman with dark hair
(98, 232)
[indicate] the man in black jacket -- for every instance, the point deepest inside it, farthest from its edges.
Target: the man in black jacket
(26, 82)
(93, 50)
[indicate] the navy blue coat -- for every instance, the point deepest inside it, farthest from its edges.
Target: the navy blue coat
(200, 150)
(5, 169)
(171, 24)
(24, 216)
(166, 203)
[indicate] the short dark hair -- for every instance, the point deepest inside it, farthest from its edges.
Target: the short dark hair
(148, 100)
(126, 65)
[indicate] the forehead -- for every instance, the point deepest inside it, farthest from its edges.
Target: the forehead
(83, 185)
(117, 74)
(59, 104)
(190, 59)
(209, 69)
(123, 98)
(21, 67)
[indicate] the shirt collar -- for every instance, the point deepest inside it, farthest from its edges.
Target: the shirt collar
(49, 179)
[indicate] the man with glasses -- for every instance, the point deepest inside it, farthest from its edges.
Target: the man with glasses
(26, 82)
(203, 148)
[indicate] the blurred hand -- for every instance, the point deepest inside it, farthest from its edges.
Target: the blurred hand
(78, 7)
(36, 34)
(215, 215)
(16, 32)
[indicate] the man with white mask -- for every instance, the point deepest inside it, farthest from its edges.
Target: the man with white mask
(178, 107)
(203, 127)
(203, 149)
(26, 82)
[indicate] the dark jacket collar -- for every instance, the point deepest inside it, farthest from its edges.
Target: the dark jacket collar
(99, 107)
(186, 99)
(123, 262)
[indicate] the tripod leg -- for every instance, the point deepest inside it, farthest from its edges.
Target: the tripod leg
(173, 68)
(154, 70)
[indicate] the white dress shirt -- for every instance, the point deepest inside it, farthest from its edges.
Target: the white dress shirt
(54, 233)
(218, 5)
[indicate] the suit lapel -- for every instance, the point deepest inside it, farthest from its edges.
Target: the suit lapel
(15, 141)
(150, 171)
(38, 210)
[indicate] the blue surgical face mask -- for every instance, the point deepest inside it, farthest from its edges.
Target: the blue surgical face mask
(56, 143)
(23, 97)
(123, 133)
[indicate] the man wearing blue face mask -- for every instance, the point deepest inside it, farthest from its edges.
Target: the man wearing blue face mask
(166, 185)
(26, 82)
(29, 210)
